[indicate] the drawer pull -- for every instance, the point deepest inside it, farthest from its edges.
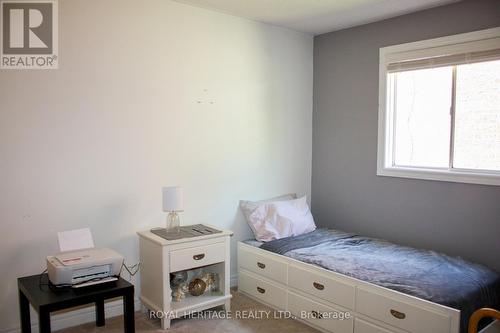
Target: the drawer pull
(199, 256)
(318, 286)
(316, 314)
(397, 314)
(261, 265)
(261, 290)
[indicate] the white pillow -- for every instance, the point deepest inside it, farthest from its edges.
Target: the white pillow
(279, 219)
(248, 207)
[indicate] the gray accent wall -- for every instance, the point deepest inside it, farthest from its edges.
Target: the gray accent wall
(454, 218)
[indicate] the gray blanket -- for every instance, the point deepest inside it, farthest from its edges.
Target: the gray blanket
(429, 275)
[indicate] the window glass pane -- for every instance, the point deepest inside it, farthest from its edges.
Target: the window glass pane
(477, 116)
(422, 117)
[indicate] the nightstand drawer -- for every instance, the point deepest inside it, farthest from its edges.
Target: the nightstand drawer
(197, 256)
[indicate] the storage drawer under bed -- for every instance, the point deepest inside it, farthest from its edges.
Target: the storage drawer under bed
(265, 291)
(400, 314)
(321, 315)
(361, 326)
(321, 285)
(263, 265)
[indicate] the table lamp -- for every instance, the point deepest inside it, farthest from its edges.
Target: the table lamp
(173, 202)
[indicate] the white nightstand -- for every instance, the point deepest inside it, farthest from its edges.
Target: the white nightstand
(160, 257)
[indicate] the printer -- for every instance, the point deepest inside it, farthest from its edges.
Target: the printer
(84, 267)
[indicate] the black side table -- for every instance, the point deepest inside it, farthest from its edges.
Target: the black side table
(45, 300)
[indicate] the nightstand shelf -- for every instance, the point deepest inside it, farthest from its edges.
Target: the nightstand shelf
(160, 257)
(192, 303)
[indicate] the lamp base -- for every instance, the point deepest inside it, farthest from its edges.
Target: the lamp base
(173, 223)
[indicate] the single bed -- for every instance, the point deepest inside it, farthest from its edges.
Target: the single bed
(384, 286)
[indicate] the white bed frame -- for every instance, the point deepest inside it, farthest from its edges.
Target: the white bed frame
(320, 298)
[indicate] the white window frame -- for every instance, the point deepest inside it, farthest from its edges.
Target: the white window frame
(385, 158)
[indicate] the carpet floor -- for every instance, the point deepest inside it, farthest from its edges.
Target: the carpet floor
(247, 316)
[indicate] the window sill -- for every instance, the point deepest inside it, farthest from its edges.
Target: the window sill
(441, 175)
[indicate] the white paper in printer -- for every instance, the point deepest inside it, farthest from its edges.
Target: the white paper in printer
(77, 239)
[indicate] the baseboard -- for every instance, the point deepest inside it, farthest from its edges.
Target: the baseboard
(76, 317)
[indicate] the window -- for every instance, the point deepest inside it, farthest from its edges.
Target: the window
(439, 114)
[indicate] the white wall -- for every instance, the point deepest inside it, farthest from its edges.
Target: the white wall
(149, 93)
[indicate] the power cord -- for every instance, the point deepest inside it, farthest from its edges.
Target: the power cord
(132, 270)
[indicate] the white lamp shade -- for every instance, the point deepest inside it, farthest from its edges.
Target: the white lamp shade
(173, 199)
